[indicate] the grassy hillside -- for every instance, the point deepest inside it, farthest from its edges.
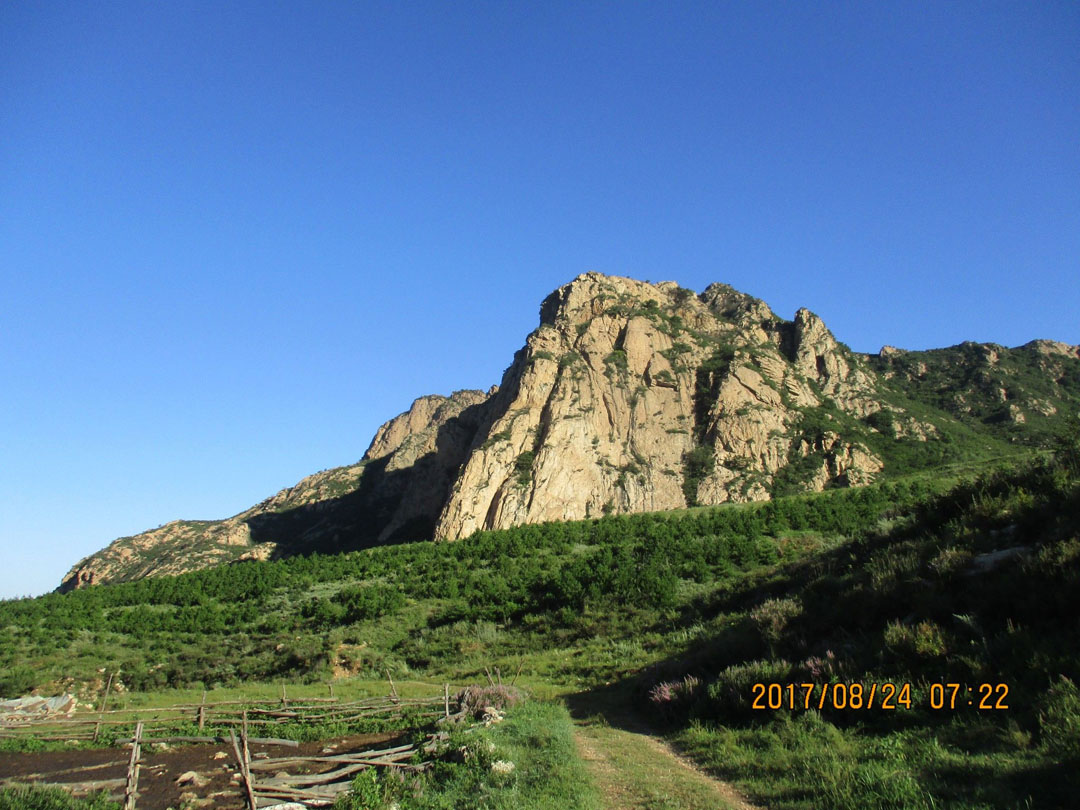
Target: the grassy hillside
(979, 588)
(433, 608)
(1025, 395)
(678, 614)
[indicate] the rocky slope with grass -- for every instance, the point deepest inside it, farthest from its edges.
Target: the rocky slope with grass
(395, 491)
(632, 397)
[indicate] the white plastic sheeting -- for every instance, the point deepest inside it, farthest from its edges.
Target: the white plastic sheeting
(25, 707)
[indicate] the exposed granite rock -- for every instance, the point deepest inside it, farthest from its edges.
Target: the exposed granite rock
(628, 397)
(623, 379)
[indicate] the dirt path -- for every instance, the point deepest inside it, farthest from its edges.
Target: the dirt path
(635, 770)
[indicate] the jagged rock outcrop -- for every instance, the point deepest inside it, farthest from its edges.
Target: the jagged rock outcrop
(394, 493)
(628, 397)
(624, 380)
(1024, 394)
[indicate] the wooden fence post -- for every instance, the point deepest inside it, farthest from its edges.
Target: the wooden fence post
(393, 689)
(446, 700)
(202, 711)
(104, 704)
(245, 776)
(244, 739)
(132, 785)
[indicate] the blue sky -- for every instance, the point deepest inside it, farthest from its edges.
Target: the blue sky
(236, 237)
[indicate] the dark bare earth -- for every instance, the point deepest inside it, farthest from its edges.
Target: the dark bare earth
(162, 765)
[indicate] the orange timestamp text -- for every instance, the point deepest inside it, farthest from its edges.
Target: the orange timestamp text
(886, 696)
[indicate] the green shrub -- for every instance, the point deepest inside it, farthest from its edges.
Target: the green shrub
(730, 695)
(697, 465)
(569, 359)
(1059, 721)
(523, 467)
(617, 360)
(366, 792)
(773, 616)
(930, 640)
(17, 681)
(364, 602)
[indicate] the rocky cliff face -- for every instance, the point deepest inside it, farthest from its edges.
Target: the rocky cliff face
(628, 397)
(632, 397)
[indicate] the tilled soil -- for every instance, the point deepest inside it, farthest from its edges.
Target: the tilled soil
(216, 784)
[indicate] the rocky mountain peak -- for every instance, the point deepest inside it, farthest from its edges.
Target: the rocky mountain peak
(634, 396)
(1053, 348)
(425, 411)
(628, 396)
(728, 303)
(584, 298)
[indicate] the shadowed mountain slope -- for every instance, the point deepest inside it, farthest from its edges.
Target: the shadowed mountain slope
(632, 397)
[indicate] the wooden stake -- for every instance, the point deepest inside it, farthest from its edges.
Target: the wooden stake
(244, 777)
(331, 689)
(393, 689)
(488, 673)
(520, 663)
(498, 675)
(104, 703)
(132, 785)
(244, 743)
(202, 712)
(384, 754)
(284, 700)
(446, 700)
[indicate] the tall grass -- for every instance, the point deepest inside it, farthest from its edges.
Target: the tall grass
(526, 762)
(30, 797)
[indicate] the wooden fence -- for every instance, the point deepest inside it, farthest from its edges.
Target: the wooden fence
(324, 777)
(222, 715)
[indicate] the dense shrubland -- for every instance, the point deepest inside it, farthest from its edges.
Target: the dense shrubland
(260, 620)
(903, 581)
(980, 585)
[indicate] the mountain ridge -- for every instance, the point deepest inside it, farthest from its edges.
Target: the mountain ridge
(629, 397)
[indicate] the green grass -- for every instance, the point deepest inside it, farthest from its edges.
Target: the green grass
(526, 762)
(28, 797)
(806, 762)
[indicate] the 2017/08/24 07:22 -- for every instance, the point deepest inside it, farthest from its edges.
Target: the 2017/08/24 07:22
(887, 696)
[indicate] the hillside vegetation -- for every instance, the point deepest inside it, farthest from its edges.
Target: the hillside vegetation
(978, 588)
(428, 607)
(912, 581)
